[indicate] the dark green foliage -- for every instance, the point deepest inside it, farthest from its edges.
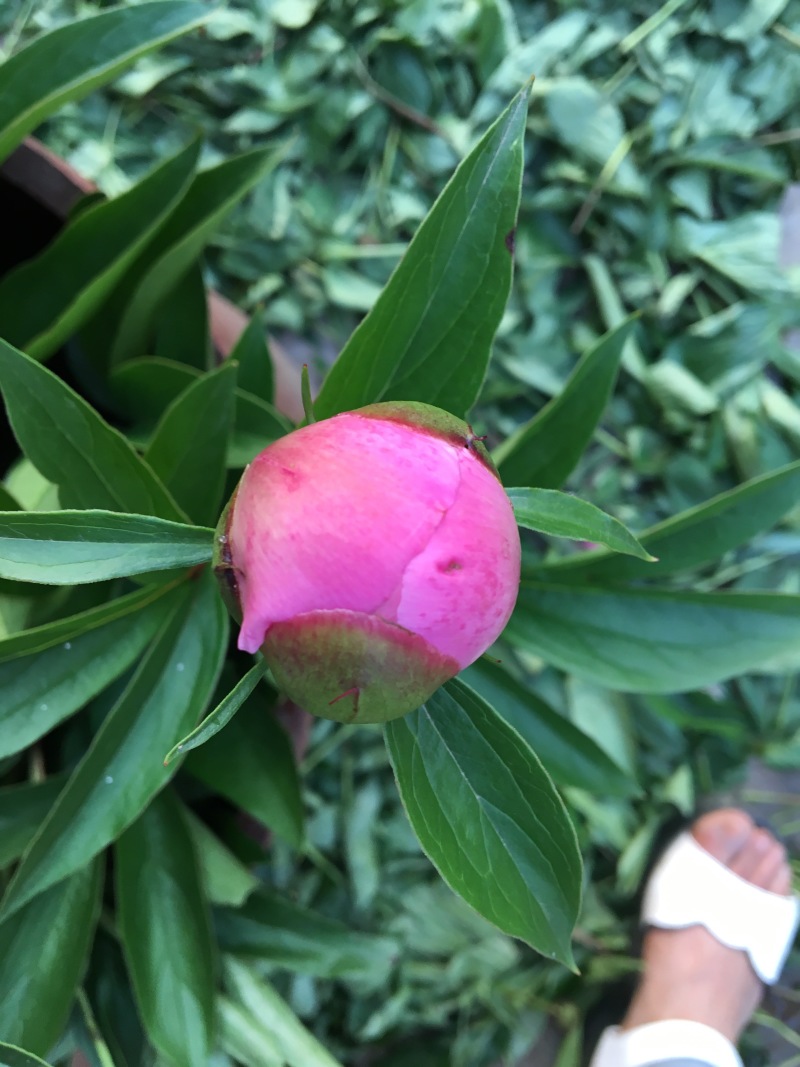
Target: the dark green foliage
(489, 817)
(245, 893)
(165, 930)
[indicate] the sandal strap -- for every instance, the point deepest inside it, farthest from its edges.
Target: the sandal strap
(689, 887)
(657, 1043)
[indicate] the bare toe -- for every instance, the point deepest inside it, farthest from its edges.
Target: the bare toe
(775, 858)
(782, 879)
(752, 854)
(723, 833)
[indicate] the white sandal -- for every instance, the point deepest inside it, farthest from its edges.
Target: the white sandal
(689, 887)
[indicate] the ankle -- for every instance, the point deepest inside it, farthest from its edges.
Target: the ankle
(693, 997)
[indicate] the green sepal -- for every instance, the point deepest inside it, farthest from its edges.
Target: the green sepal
(353, 667)
(222, 562)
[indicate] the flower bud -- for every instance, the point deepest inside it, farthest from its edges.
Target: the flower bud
(370, 557)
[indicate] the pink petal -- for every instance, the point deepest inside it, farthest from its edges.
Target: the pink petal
(338, 509)
(459, 591)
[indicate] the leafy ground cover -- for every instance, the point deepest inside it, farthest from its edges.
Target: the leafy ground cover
(659, 146)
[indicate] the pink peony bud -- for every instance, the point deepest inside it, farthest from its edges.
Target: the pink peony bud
(371, 556)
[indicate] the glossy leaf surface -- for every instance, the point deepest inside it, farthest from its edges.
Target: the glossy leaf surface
(42, 689)
(43, 951)
(211, 195)
(71, 547)
(222, 713)
(274, 928)
(429, 335)
(243, 1038)
(226, 879)
(181, 324)
(252, 764)
(45, 300)
(561, 515)
(166, 932)
(489, 817)
(701, 534)
(74, 447)
(123, 768)
(22, 808)
(656, 641)
(569, 755)
(252, 354)
(544, 451)
(189, 447)
(11, 1056)
(297, 1045)
(50, 634)
(146, 387)
(76, 58)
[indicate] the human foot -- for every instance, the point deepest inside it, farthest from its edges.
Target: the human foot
(687, 973)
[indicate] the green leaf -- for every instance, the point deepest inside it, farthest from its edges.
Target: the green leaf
(656, 641)
(71, 445)
(31, 491)
(165, 930)
(744, 248)
(252, 354)
(212, 194)
(39, 638)
(19, 603)
(43, 951)
(71, 547)
(676, 388)
(74, 59)
(270, 1012)
(89, 1039)
(122, 770)
(242, 1038)
(22, 809)
(613, 315)
(489, 817)
(226, 879)
(252, 764)
(45, 300)
(701, 534)
(42, 689)
(569, 755)
(589, 123)
(305, 395)
(11, 1056)
(222, 713)
(278, 931)
(429, 335)
(7, 501)
(189, 447)
(561, 515)
(258, 424)
(108, 985)
(146, 387)
(181, 325)
(545, 451)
